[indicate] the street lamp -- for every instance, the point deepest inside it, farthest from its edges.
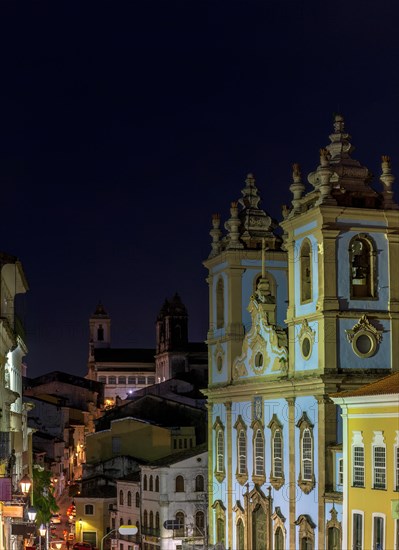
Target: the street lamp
(25, 484)
(42, 533)
(32, 513)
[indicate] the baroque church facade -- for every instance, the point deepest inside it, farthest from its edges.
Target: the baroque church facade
(295, 317)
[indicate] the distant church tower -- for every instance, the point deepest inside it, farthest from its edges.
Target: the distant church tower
(171, 339)
(100, 334)
(273, 432)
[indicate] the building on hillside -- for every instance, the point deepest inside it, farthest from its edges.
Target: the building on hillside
(123, 371)
(127, 510)
(292, 320)
(371, 464)
(63, 407)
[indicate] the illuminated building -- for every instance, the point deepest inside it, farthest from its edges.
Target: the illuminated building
(316, 312)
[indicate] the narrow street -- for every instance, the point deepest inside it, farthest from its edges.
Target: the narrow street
(58, 531)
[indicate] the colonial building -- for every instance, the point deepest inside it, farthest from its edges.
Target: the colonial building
(124, 371)
(371, 464)
(293, 319)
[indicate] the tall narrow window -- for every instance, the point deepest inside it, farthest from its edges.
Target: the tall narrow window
(306, 480)
(151, 519)
(145, 519)
(219, 459)
(242, 452)
(358, 466)
(307, 455)
(378, 533)
(100, 333)
(357, 532)
(220, 304)
(151, 483)
(145, 482)
(121, 498)
(379, 470)
(199, 483)
(259, 454)
(341, 471)
(220, 530)
(157, 484)
(129, 498)
(137, 499)
(180, 520)
(277, 454)
(397, 470)
(179, 484)
(200, 524)
(157, 521)
(306, 271)
(220, 451)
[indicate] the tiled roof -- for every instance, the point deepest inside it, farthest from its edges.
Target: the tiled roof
(179, 456)
(385, 386)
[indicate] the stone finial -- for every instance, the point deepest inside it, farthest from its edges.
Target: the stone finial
(339, 123)
(232, 226)
(297, 188)
(324, 173)
(215, 233)
(387, 179)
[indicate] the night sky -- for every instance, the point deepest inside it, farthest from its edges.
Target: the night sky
(125, 125)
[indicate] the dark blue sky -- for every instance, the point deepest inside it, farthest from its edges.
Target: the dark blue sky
(125, 125)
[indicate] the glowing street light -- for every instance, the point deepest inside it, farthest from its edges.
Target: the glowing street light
(25, 484)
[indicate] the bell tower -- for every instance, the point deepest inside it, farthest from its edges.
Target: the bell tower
(342, 238)
(100, 330)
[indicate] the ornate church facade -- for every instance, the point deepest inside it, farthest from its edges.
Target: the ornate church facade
(294, 317)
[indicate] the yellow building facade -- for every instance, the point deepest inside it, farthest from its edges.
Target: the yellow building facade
(371, 464)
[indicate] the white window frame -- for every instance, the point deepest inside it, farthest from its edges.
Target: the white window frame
(277, 459)
(307, 455)
(259, 457)
(383, 517)
(396, 463)
(360, 513)
(358, 445)
(242, 451)
(379, 443)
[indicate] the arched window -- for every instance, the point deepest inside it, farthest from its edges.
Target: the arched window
(199, 524)
(137, 499)
(121, 498)
(306, 271)
(179, 484)
(100, 334)
(121, 521)
(220, 530)
(151, 484)
(363, 268)
(307, 455)
(180, 519)
(145, 482)
(157, 520)
(129, 498)
(242, 452)
(145, 519)
(240, 535)
(157, 484)
(199, 483)
(277, 454)
(259, 446)
(220, 303)
(151, 519)
(306, 480)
